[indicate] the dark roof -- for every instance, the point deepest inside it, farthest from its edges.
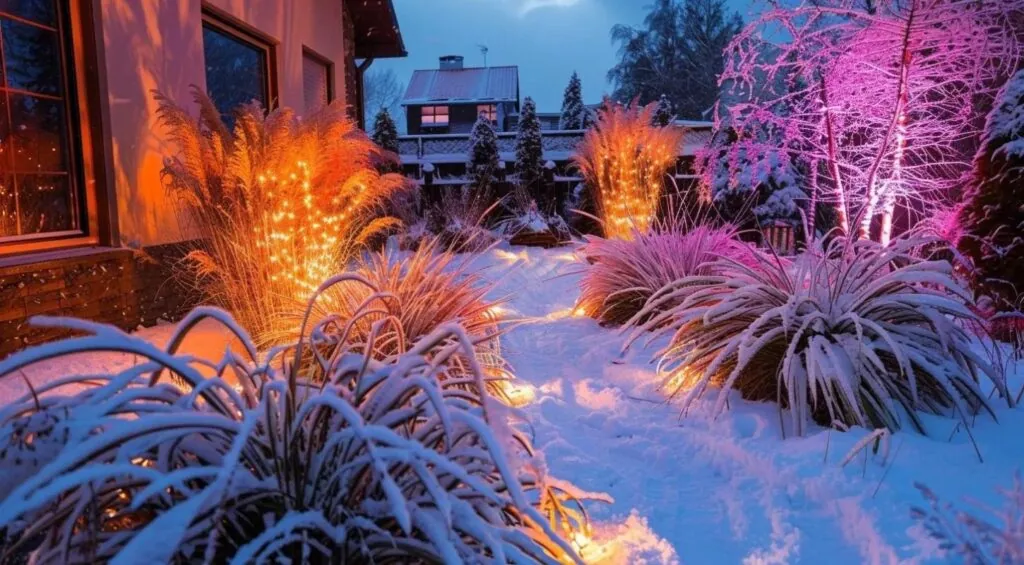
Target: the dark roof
(376, 29)
(475, 84)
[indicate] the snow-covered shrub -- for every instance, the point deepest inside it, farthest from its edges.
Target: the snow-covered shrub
(573, 110)
(524, 217)
(424, 289)
(483, 161)
(624, 160)
(750, 174)
(992, 216)
(530, 150)
(279, 203)
(623, 274)
(310, 453)
(987, 536)
(850, 332)
(462, 219)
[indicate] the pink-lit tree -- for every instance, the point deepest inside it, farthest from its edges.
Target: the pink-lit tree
(878, 99)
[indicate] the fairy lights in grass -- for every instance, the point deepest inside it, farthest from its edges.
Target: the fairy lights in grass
(624, 159)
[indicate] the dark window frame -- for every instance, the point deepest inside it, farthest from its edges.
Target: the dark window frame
(232, 27)
(70, 18)
(328, 66)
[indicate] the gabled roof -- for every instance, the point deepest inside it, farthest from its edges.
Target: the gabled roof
(476, 84)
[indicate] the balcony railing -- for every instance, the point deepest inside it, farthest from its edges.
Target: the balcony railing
(454, 147)
(559, 145)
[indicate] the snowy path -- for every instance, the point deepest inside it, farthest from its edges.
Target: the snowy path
(726, 491)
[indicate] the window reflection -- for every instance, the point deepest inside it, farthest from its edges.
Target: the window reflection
(37, 190)
(236, 70)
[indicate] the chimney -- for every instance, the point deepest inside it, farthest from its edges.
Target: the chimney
(451, 63)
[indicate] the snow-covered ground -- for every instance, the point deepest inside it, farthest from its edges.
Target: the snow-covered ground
(693, 490)
(730, 490)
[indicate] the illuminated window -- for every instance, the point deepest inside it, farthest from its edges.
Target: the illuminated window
(316, 81)
(490, 111)
(239, 66)
(40, 194)
(435, 116)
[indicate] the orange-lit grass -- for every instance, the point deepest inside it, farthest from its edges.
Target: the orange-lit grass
(624, 159)
(279, 203)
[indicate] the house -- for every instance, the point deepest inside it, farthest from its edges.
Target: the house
(86, 228)
(449, 99)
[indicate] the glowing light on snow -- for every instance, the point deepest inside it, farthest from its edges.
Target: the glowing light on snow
(510, 257)
(577, 312)
(519, 393)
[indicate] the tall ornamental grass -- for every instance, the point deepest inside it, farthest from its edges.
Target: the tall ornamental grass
(622, 274)
(624, 160)
(279, 203)
(854, 332)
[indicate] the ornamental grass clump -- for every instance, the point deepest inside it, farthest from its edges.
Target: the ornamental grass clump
(420, 291)
(279, 203)
(313, 452)
(624, 160)
(622, 274)
(855, 332)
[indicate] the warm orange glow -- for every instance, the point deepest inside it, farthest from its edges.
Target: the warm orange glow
(624, 160)
(281, 204)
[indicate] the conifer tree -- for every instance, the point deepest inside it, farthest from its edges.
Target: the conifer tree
(993, 214)
(483, 155)
(663, 112)
(529, 148)
(385, 132)
(572, 105)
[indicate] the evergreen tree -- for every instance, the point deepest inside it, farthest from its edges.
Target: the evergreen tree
(529, 148)
(385, 132)
(573, 110)
(663, 112)
(679, 52)
(993, 215)
(483, 155)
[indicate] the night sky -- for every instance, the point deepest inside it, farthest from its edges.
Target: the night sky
(547, 39)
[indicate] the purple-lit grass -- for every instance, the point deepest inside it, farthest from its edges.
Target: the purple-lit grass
(854, 332)
(623, 273)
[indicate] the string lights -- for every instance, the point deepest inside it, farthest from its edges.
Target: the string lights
(624, 158)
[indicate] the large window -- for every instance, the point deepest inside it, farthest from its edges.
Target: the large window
(489, 111)
(435, 116)
(40, 194)
(316, 81)
(239, 66)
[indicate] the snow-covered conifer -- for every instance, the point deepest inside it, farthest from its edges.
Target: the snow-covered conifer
(483, 154)
(572, 105)
(529, 148)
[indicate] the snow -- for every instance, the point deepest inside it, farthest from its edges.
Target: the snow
(729, 490)
(691, 490)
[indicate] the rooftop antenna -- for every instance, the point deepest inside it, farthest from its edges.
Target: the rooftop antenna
(483, 51)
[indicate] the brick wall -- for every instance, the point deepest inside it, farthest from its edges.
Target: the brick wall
(115, 286)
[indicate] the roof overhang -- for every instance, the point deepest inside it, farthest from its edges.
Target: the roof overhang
(377, 35)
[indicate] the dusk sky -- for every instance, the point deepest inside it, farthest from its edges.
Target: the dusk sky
(547, 39)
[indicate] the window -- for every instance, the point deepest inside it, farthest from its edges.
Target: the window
(435, 116)
(239, 66)
(40, 194)
(490, 111)
(316, 81)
